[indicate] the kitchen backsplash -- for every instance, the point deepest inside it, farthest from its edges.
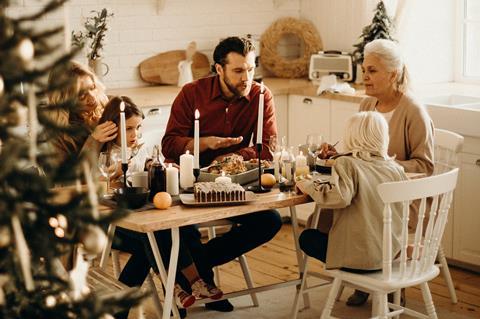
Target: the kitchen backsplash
(143, 28)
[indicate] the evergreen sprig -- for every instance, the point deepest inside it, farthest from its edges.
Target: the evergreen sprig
(95, 29)
(27, 191)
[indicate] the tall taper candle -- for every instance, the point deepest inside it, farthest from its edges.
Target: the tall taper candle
(196, 140)
(32, 124)
(260, 116)
(123, 133)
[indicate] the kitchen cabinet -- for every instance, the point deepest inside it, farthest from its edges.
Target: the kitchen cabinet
(281, 114)
(340, 112)
(466, 214)
(307, 115)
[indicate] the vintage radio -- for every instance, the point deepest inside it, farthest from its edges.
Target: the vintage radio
(331, 62)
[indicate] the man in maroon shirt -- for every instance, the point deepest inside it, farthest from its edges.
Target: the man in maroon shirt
(228, 106)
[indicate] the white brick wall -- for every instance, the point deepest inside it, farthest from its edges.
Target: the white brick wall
(143, 28)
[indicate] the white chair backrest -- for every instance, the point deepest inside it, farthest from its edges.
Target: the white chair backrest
(447, 147)
(440, 188)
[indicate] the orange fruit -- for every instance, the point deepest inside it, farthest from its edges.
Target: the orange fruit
(268, 180)
(162, 200)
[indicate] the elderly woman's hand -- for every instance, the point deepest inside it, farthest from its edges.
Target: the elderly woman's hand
(105, 132)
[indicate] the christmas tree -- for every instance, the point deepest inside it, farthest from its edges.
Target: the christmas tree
(380, 28)
(38, 223)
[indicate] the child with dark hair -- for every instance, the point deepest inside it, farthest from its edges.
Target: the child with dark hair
(138, 160)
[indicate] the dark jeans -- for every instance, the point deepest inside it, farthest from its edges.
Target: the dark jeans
(314, 243)
(250, 231)
(142, 259)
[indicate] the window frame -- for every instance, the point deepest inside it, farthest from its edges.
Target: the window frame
(460, 46)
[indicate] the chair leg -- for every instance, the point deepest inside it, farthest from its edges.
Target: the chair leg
(115, 263)
(427, 298)
(340, 292)
(212, 234)
(446, 274)
(327, 309)
(248, 278)
(379, 305)
(296, 301)
(156, 299)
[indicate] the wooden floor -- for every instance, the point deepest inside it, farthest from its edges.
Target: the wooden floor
(276, 261)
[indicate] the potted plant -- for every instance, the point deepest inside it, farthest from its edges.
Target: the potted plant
(93, 37)
(380, 28)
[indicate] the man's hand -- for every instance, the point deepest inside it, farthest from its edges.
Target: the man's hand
(215, 142)
(105, 132)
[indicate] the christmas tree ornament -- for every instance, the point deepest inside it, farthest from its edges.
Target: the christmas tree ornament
(23, 253)
(2, 86)
(25, 50)
(5, 236)
(32, 216)
(50, 301)
(93, 240)
(78, 277)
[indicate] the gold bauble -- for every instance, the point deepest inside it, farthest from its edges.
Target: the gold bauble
(2, 85)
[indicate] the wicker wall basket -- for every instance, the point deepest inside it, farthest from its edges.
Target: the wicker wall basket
(279, 65)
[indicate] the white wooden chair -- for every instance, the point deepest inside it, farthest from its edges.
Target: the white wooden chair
(447, 147)
(241, 259)
(398, 273)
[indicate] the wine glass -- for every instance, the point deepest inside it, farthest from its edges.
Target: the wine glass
(107, 164)
(313, 142)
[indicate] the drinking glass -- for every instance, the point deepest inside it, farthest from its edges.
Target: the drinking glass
(314, 141)
(107, 164)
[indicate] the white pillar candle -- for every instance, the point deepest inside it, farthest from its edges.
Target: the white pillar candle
(172, 180)
(186, 170)
(301, 160)
(260, 116)
(223, 179)
(123, 133)
(196, 140)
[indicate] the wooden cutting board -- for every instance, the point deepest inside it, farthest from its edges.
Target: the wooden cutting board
(163, 68)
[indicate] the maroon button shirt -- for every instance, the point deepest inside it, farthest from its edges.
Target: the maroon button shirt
(218, 117)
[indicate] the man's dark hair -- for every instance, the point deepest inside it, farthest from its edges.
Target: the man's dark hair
(232, 44)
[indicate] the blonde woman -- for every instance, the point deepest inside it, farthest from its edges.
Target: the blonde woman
(85, 88)
(410, 126)
(354, 241)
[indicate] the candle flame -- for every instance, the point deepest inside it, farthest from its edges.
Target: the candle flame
(262, 88)
(187, 152)
(197, 114)
(170, 165)
(301, 152)
(223, 173)
(122, 106)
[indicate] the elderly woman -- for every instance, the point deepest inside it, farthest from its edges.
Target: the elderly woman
(85, 88)
(410, 126)
(351, 194)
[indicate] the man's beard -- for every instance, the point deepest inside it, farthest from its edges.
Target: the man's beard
(234, 89)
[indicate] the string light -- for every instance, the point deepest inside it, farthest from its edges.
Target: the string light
(62, 221)
(26, 50)
(53, 222)
(50, 301)
(59, 232)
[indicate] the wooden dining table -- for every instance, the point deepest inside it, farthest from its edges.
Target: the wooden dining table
(179, 215)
